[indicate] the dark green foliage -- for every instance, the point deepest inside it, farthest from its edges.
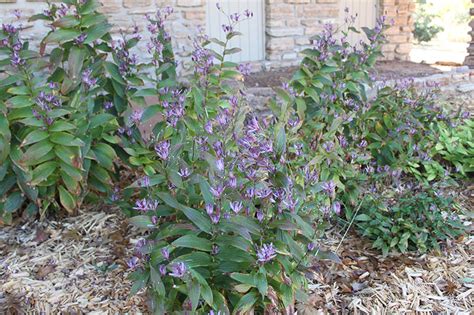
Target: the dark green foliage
(60, 111)
(415, 220)
(425, 29)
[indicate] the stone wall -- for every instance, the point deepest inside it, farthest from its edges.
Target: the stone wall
(470, 49)
(289, 23)
(399, 35)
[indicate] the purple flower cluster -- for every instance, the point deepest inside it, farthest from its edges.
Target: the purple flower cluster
(266, 253)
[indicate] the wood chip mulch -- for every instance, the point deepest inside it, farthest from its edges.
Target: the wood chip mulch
(78, 266)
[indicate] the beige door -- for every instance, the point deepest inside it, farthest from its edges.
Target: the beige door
(252, 40)
(367, 12)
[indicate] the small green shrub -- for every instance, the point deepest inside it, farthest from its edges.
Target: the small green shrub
(61, 110)
(414, 219)
(424, 29)
(455, 145)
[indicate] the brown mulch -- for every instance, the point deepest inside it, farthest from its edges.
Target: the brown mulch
(74, 266)
(384, 70)
(78, 265)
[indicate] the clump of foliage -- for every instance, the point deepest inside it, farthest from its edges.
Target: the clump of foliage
(408, 218)
(61, 109)
(424, 27)
(454, 144)
(233, 223)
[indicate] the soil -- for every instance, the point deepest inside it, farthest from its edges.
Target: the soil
(384, 70)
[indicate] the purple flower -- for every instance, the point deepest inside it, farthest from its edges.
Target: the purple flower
(17, 13)
(266, 253)
(165, 253)
(215, 249)
(336, 207)
(248, 13)
(136, 115)
(162, 269)
(208, 127)
(108, 105)
(217, 191)
(146, 205)
(87, 79)
(162, 149)
(209, 209)
(342, 141)
(132, 263)
(184, 172)
(178, 270)
(220, 164)
(215, 218)
(259, 215)
(154, 219)
(363, 144)
(244, 69)
(329, 188)
(236, 206)
(311, 246)
(144, 181)
(80, 39)
(232, 182)
(328, 146)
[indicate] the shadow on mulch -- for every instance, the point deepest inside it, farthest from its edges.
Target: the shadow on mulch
(384, 70)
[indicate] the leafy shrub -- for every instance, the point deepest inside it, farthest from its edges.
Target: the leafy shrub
(424, 29)
(60, 110)
(455, 145)
(230, 210)
(413, 219)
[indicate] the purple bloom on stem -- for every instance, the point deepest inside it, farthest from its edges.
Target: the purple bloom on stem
(184, 172)
(217, 191)
(146, 205)
(162, 269)
(162, 149)
(266, 253)
(208, 127)
(215, 218)
(144, 181)
(178, 270)
(220, 164)
(328, 146)
(259, 215)
(329, 187)
(363, 144)
(87, 78)
(136, 115)
(209, 209)
(244, 69)
(311, 246)
(108, 105)
(165, 253)
(154, 219)
(236, 206)
(336, 207)
(132, 263)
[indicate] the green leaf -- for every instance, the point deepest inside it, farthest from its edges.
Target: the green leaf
(156, 282)
(34, 136)
(37, 150)
(363, 217)
(194, 293)
(244, 278)
(141, 221)
(13, 202)
(43, 171)
(66, 139)
(114, 72)
(97, 31)
(61, 36)
(75, 62)
(61, 125)
(66, 199)
(246, 303)
(20, 101)
(192, 241)
(280, 140)
(201, 221)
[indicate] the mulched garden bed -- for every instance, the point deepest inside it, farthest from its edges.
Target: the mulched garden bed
(78, 265)
(384, 70)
